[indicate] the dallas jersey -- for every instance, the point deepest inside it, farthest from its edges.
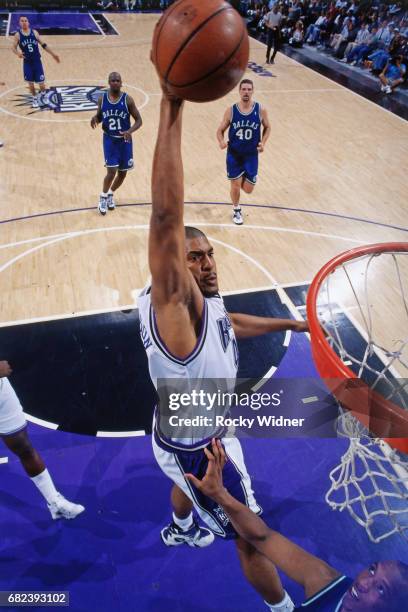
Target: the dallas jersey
(116, 119)
(330, 598)
(215, 356)
(115, 115)
(244, 132)
(29, 46)
(32, 66)
(244, 136)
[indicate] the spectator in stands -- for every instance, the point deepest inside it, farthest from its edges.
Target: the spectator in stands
(380, 57)
(313, 31)
(296, 40)
(359, 53)
(393, 74)
(384, 34)
(362, 37)
(346, 34)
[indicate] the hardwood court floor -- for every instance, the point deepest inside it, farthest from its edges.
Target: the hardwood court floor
(333, 176)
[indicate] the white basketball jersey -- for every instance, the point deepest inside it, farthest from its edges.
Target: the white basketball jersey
(215, 355)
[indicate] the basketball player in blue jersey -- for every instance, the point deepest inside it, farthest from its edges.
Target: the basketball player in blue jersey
(382, 587)
(188, 334)
(13, 431)
(245, 142)
(28, 41)
(114, 111)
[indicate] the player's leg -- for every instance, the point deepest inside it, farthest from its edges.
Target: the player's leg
(112, 153)
(183, 529)
(262, 574)
(276, 44)
(119, 178)
(247, 186)
(249, 177)
(125, 164)
(106, 189)
(269, 45)
(235, 171)
(14, 434)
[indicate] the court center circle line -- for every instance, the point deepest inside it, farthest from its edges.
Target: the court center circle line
(272, 228)
(45, 120)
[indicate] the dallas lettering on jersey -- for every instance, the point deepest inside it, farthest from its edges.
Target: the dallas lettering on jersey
(115, 113)
(245, 124)
(23, 43)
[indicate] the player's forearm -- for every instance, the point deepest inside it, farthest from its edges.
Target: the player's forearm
(265, 135)
(220, 136)
(248, 326)
(248, 525)
(136, 126)
(302, 567)
(167, 173)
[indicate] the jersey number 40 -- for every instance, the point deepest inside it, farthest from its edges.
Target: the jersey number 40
(244, 134)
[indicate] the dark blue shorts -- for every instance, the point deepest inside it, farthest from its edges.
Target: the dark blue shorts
(175, 463)
(33, 71)
(118, 153)
(242, 165)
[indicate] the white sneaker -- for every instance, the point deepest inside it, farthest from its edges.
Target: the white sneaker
(110, 202)
(354, 63)
(62, 508)
(383, 87)
(388, 89)
(344, 60)
(34, 103)
(103, 204)
(237, 216)
(196, 536)
(1, 144)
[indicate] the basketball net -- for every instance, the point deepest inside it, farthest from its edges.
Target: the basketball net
(371, 481)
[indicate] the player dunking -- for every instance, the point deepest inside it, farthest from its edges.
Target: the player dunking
(13, 431)
(245, 141)
(188, 334)
(28, 40)
(114, 111)
(381, 587)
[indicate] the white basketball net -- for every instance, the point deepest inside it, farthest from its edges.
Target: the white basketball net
(371, 481)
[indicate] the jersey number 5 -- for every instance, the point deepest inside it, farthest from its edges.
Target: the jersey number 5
(244, 134)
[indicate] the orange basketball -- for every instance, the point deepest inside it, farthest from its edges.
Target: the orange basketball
(200, 49)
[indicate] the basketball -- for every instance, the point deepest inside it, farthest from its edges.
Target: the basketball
(200, 49)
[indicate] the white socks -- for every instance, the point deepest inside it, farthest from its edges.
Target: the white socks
(44, 484)
(286, 605)
(184, 524)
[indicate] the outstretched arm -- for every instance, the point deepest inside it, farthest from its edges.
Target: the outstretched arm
(306, 569)
(248, 326)
(226, 120)
(46, 47)
(176, 298)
